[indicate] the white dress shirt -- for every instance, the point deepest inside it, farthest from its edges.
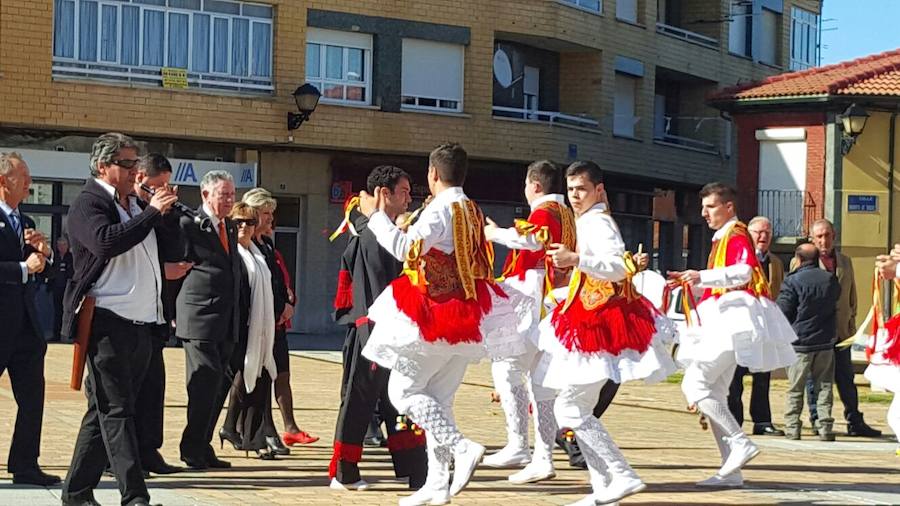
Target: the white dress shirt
(131, 283)
(434, 226)
(730, 276)
(512, 239)
(8, 210)
(601, 249)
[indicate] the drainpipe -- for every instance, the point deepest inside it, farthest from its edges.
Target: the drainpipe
(890, 185)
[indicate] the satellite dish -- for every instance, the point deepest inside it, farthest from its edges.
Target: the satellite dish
(502, 68)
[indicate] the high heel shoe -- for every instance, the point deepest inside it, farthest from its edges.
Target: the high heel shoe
(265, 455)
(303, 438)
(233, 437)
(276, 446)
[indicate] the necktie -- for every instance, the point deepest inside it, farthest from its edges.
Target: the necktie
(223, 237)
(17, 227)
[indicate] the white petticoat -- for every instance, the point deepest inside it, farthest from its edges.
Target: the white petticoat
(559, 367)
(886, 376)
(396, 341)
(754, 329)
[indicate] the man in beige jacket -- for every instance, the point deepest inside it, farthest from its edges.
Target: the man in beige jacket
(822, 235)
(760, 229)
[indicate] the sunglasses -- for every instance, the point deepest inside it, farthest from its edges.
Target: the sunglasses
(125, 164)
(250, 222)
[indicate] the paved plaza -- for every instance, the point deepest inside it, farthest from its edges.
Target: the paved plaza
(661, 439)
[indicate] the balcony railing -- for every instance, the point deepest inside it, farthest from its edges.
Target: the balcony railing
(686, 35)
(790, 211)
(694, 132)
(553, 118)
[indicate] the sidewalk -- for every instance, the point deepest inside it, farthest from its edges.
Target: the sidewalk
(662, 441)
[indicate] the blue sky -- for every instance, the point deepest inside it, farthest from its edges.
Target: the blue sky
(863, 27)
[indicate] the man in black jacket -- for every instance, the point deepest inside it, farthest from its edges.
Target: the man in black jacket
(118, 263)
(207, 317)
(23, 252)
(60, 276)
(808, 299)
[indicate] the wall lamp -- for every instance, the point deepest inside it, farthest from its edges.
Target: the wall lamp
(852, 122)
(307, 98)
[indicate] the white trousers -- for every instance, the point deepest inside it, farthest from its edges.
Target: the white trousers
(709, 378)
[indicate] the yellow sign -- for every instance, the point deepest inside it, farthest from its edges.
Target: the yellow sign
(174, 78)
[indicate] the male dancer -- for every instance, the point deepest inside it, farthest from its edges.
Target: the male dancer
(437, 317)
(367, 269)
(604, 331)
(738, 324)
(526, 279)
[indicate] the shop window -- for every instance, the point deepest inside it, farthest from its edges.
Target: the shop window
(221, 44)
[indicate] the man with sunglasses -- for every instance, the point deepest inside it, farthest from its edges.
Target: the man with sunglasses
(118, 262)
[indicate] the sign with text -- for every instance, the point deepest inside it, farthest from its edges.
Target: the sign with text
(174, 78)
(65, 165)
(340, 190)
(862, 203)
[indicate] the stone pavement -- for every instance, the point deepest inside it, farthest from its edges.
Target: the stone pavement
(662, 441)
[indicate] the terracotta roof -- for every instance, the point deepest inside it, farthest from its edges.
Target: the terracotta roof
(878, 74)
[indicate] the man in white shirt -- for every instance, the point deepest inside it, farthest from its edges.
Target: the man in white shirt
(117, 262)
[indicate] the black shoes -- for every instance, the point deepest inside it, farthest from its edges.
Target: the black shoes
(232, 437)
(35, 477)
(862, 429)
(82, 500)
(766, 429)
(276, 447)
(153, 462)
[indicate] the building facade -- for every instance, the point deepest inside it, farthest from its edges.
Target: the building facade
(621, 82)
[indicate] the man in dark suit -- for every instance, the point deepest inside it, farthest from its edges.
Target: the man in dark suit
(207, 317)
(118, 263)
(61, 273)
(23, 252)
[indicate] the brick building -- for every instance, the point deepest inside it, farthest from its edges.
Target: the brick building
(621, 82)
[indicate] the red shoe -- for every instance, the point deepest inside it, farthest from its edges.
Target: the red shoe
(291, 438)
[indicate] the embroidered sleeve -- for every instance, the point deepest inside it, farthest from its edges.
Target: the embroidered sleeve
(427, 231)
(604, 251)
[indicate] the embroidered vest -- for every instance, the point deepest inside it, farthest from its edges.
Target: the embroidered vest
(737, 247)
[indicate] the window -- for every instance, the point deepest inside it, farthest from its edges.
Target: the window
(624, 106)
(804, 39)
(627, 10)
(340, 65)
(591, 5)
(221, 44)
(740, 27)
(771, 37)
(432, 76)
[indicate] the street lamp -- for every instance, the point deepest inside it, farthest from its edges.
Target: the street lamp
(307, 98)
(853, 122)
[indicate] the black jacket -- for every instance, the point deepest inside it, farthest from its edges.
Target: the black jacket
(279, 289)
(808, 298)
(16, 298)
(206, 307)
(96, 235)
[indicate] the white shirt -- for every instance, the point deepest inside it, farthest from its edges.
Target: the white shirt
(512, 239)
(131, 283)
(434, 226)
(730, 276)
(601, 249)
(8, 210)
(212, 218)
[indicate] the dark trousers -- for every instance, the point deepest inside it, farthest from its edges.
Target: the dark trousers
(843, 379)
(152, 397)
(760, 410)
(607, 394)
(365, 385)
(22, 356)
(58, 293)
(208, 379)
(117, 359)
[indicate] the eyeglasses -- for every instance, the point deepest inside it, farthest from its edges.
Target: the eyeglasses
(250, 222)
(125, 164)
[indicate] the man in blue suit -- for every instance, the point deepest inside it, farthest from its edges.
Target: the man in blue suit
(23, 252)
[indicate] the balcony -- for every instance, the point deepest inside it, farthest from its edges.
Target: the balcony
(686, 35)
(694, 21)
(791, 212)
(681, 117)
(528, 84)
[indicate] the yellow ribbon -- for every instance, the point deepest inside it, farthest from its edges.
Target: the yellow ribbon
(346, 224)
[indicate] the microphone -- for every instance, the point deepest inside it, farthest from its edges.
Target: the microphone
(204, 223)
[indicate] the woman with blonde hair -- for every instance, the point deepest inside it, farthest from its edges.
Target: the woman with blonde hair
(253, 362)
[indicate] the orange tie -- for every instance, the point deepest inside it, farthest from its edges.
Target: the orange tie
(223, 237)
